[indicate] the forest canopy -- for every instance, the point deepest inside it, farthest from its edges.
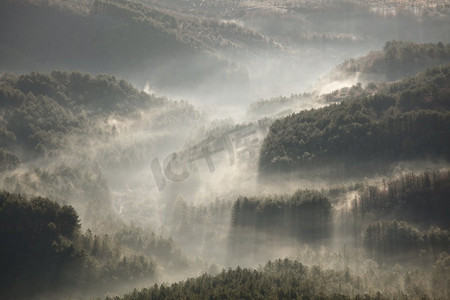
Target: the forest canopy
(224, 149)
(397, 60)
(305, 215)
(409, 121)
(41, 110)
(44, 249)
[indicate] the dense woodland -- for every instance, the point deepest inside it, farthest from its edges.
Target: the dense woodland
(370, 74)
(281, 279)
(393, 241)
(418, 198)
(397, 60)
(395, 221)
(289, 279)
(49, 117)
(346, 197)
(409, 121)
(39, 111)
(44, 249)
(122, 37)
(306, 215)
(182, 44)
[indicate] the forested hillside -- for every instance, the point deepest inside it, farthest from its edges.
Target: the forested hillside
(224, 149)
(406, 217)
(61, 132)
(394, 222)
(421, 199)
(305, 215)
(123, 37)
(281, 279)
(393, 241)
(91, 34)
(40, 111)
(360, 77)
(397, 60)
(410, 121)
(396, 259)
(289, 279)
(44, 250)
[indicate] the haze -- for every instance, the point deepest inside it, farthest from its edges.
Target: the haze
(192, 137)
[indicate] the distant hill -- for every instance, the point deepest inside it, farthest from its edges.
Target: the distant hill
(96, 34)
(409, 121)
(44, 250)
(369, 74)
(398, 59)
(71, 127)
(124, 37)
(40, 110)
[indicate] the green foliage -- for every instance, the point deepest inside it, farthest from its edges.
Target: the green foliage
(119, 33)
(409, 122)
(356, 91)
(421, 199)
(305, 215)
(127, 38)
(399, 241)
(281, 279)
(400, 52)
(40, 111)
(95, 94)
(34, 236)
(164, 250)
(398, 59)
(44, 250)
(264, 108)
(38, 211)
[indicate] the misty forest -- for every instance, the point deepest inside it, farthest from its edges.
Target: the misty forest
(224, 149)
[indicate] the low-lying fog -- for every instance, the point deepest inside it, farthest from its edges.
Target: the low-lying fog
(180, 175)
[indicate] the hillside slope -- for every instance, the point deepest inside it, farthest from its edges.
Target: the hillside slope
(409, 121)
(124, 37)
(396, 60)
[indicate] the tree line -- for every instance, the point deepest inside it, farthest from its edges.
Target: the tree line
(410, 121)
(397, 59)
(40, 110)
(417, 198)
(305, 215)
(44, 253)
